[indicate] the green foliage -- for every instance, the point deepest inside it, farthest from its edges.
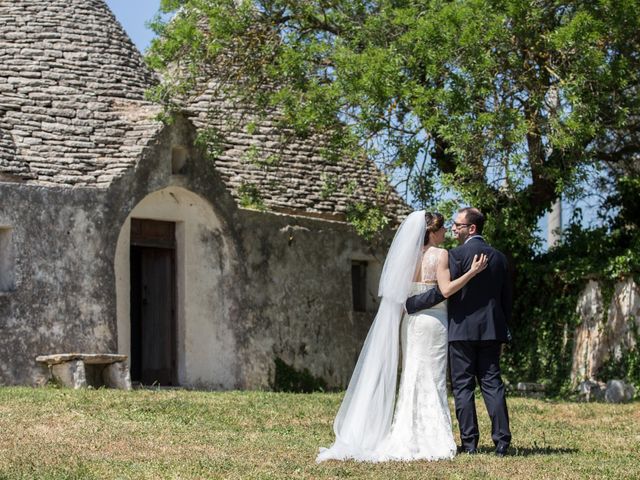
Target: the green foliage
(501, 104)
(368, 219)
(252, 128)
(209, 141)
(626, 366)
(252, 154)
(626, 201)
(271, 160)
(547, 290)
(288, 379)
(250, 196)
(497, 103)
(329, 185)
(543, 321)
(258, 158)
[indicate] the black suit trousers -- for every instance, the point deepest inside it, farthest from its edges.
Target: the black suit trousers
(472, 361)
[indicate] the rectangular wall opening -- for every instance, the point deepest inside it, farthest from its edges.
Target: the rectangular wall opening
(359, 285)
(7, 260)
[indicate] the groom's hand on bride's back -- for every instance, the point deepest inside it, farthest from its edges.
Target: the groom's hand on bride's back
(425, 300)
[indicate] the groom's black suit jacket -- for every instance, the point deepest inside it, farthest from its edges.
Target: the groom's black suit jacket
(481, 310)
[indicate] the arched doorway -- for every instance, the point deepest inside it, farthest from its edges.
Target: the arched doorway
(170, 260)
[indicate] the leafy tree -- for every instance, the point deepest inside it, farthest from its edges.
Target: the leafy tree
(501, 104)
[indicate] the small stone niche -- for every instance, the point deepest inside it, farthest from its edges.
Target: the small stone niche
(7, 260)
(179, 156)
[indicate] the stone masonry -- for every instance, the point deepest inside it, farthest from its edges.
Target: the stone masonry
(82, 153)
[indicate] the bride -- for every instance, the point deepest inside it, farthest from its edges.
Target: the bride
(366, 427)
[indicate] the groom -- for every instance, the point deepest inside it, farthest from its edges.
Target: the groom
(478, 316)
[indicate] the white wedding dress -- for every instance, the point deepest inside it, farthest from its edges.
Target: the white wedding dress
(373, 424)
(421, 428)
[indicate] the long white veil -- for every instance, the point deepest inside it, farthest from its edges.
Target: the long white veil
(365, 415)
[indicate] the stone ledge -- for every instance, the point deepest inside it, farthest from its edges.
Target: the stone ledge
(88, 358)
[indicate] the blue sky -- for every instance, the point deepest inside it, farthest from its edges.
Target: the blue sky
(133, 14)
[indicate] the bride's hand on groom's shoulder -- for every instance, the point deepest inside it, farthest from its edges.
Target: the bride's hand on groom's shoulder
(480, 262)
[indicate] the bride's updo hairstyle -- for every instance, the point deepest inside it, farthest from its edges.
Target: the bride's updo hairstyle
(435, 221)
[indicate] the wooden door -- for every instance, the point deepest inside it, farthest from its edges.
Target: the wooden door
(153, 329)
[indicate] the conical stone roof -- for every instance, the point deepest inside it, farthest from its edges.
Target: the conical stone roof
(72, 110)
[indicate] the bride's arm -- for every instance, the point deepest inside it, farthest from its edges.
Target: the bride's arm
(447, 286)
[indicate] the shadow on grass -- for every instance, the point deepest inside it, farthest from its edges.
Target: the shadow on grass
(528, 452)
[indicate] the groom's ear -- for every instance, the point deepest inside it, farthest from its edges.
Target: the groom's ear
(473, 229)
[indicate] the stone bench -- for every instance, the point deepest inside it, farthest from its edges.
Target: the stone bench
(79, 370)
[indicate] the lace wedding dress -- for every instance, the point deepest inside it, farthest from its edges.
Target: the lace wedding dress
(421, 428)
(373, 424)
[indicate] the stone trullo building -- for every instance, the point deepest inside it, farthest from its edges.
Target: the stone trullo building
(118, 234)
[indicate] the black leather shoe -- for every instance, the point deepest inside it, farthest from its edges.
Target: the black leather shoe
(468, 450)
(501, 451)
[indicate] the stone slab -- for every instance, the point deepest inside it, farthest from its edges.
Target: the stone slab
(88, 358)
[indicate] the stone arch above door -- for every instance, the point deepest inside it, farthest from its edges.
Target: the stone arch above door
(205, 344)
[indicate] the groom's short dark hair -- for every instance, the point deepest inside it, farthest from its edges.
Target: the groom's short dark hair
(474, 217)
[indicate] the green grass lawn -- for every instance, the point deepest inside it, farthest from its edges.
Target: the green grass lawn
(53, 433)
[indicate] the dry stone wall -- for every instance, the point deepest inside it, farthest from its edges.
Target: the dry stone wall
(606, 331)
